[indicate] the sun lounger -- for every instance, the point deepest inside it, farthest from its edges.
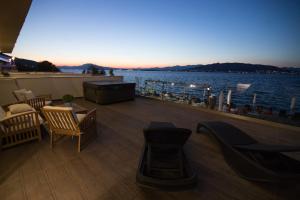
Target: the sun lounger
(163, 164)
(253, 160)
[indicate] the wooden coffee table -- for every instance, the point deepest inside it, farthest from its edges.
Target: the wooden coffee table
(76, 108)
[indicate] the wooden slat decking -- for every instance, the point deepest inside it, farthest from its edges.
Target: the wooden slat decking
(106, 168)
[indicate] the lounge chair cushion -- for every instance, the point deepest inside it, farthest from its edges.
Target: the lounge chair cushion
(20, 94)
(80, 117)
(163, 164)
(165, 133)
(268, 148)
(253, 160)
(228, 133)
(19, 108)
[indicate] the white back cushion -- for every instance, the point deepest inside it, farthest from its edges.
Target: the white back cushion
(20, 94)
(29, 94)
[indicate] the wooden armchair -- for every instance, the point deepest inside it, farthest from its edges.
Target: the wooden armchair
(19, 128)
(63, 121)
(36, 101)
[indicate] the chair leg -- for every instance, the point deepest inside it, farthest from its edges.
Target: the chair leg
(148, 159)
(39, 133)
(51, 140)
(79, 138)
(180, 155)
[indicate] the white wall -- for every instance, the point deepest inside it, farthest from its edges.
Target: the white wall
(56, 86)
(7, 86)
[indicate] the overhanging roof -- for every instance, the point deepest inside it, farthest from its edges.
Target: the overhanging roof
(12, 17)
(4, 57)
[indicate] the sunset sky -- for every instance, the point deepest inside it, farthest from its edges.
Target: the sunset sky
(155, 33)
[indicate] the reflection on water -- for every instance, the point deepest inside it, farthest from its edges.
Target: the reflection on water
(272, 90)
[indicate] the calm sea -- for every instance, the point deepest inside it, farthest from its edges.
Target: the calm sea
(272, 90)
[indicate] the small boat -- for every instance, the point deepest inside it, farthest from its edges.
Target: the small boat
(242, 86)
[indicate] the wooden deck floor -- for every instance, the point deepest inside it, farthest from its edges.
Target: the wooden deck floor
(106, 168)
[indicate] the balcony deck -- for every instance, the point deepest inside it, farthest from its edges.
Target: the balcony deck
(106, 168)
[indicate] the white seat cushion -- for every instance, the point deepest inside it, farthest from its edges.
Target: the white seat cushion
(57, 108)
(40, 119)
(80, 117)
(19, 108)
(48, 103)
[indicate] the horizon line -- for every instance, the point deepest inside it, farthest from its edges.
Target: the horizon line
(145, 67)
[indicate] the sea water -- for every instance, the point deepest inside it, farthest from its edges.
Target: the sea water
(272, 90)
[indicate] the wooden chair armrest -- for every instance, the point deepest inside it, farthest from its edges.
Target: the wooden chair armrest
(88, 120)
(21, 121)
(28, 113)
(47, 97)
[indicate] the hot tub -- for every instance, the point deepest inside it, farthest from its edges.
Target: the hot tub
(108, 92)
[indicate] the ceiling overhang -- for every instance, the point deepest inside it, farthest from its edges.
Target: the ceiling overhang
(12, 17)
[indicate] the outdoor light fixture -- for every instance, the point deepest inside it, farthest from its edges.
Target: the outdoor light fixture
(172, 84)
(192, 86)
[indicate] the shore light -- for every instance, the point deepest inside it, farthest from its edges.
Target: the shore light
(192, 86)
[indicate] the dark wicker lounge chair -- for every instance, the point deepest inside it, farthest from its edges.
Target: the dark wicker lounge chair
(251, 159)
(163, 164)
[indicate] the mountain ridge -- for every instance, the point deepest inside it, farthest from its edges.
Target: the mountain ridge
(225, 67)
(214, 67)
(84, 66)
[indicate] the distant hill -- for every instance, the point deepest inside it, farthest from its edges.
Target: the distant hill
(226, 67)
(26, 65)
(84, 67)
